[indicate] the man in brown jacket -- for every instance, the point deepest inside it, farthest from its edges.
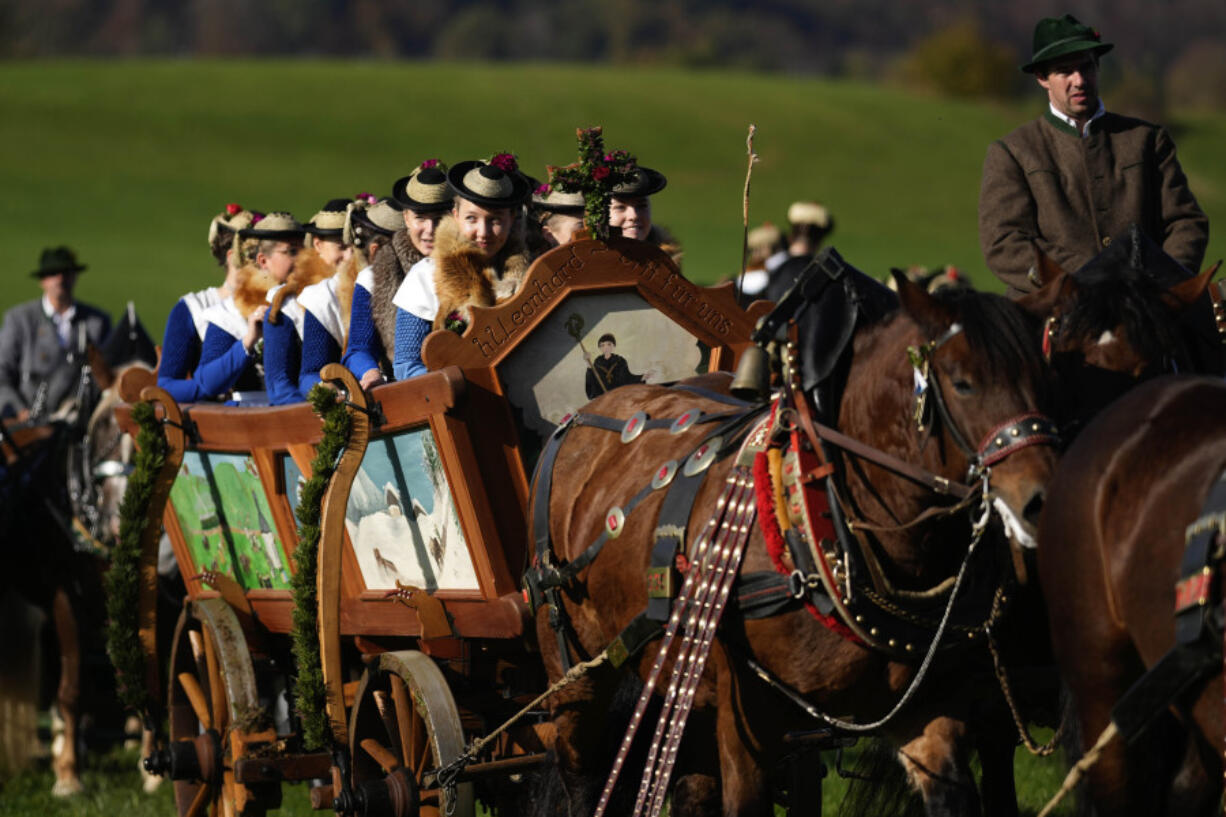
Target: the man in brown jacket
(1071, 180)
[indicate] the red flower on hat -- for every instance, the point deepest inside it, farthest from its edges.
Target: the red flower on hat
(455, 322)
(601, 173)
(543, 190)
(369, 198)
(429, 163)
(233, 209)
(505, 162)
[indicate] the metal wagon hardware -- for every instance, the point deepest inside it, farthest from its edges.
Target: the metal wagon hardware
(421, 635)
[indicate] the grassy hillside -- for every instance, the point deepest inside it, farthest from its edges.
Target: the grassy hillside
(128, 161)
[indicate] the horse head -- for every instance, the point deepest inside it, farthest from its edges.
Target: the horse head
(1129, 314)
(953, 382)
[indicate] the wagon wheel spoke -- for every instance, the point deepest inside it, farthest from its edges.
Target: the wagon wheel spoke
(387, 713)
(196, 697)
(196, 641)
(405, 710)
(211, 675)
(381, 755)
(406, 721)
(217, 689)
(200, 801)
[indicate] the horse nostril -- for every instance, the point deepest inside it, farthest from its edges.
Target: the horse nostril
(1034, 507)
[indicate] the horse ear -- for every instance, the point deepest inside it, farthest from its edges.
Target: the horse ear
(1043, 301)
(920, 306)
(1187, 292)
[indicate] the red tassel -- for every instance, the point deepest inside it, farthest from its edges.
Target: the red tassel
(764, 492)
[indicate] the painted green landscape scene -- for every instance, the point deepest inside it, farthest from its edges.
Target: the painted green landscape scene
(225, 518)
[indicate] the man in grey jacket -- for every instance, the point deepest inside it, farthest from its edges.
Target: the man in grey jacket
(43, 342)
(1078, 176)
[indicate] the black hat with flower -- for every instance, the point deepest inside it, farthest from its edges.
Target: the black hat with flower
(494, 184)
(329, 222)
(380, 219)
(642, 181)
(277, 226)
(424, 190)
(547, 201)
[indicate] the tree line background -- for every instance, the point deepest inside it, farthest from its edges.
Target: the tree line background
(1168, 54)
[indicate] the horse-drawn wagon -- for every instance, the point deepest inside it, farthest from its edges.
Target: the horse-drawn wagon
(396, 605)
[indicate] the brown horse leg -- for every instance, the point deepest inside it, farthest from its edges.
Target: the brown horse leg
(696, 784)
(742, 771)
(1197, 786)
(936, 764)
(68, 695)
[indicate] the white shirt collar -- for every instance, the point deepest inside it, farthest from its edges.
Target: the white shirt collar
(61, 320)
(1072, 123)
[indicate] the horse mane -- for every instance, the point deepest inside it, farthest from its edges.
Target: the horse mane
(1000, 329)
(1114, 295)
(996, 327)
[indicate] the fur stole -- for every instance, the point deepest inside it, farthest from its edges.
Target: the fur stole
(308, 269)
(346, 279)
(391, 264)
(251, 286)
(463, 279)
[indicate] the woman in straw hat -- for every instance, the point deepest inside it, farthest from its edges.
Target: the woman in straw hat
(327, 305)
(231, 364)
(557, 215)
(284, 323)
(183, 339)
(630, 210)
(424, 197)
(478, 260)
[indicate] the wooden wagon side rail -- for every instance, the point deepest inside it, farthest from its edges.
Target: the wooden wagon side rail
(139, 384)
(176, 441)
(331, 547)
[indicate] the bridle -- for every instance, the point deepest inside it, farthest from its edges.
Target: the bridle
(1014, 434)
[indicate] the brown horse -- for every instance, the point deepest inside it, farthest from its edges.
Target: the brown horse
(987, 364)
(1131, 313)
(60, 488)
(1111, 542)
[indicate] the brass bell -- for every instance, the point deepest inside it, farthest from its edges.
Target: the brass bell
(753, 375)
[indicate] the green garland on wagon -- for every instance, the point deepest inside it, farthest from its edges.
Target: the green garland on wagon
(310, 694)
(122, 580)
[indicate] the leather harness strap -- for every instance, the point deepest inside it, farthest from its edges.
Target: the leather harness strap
(545, 579)
(1197, 653)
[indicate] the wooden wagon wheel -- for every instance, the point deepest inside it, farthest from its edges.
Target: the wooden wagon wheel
(214, 714)
(404, 724)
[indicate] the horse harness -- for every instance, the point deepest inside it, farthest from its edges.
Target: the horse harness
(821, 558)
(1199, 625)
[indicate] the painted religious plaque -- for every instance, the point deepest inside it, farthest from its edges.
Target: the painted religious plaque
(402, 519)
(226, 521)
(593, 344)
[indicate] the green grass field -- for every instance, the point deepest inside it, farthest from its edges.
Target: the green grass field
(113, 787)
(128, 160)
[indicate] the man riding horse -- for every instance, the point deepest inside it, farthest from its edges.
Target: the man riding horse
(1068, 181)
(43, 342)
